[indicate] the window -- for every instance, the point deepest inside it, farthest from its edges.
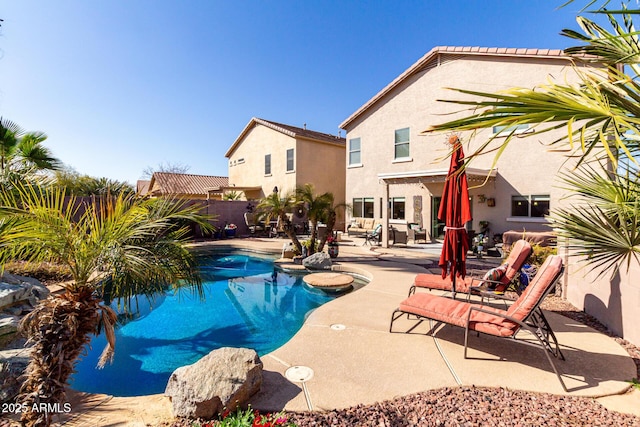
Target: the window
(506, 130)
(397, 208)
(402, 143)
(536, 206)
(363, 207)
(354, 151)
(290, 160)
(267, 164)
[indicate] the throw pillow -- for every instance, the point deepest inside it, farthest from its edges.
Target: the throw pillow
(494, 274)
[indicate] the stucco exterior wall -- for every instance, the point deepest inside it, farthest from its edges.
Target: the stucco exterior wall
(323, 165)
(246, 163)
(613, 298)
(526, 167)
(318, 163)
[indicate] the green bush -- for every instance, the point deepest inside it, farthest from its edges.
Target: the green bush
(540, 254)
(247, 418)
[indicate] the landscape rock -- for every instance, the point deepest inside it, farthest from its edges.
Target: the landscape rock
(317, 261)
(222, 380)
(8, 328)
(12, 365)
(14, 289)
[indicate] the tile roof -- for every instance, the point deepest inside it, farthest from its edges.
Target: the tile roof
(455, 50)
(142, 187)
(182, 183)
(292, 131)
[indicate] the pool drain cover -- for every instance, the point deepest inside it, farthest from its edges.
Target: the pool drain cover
(299, 374)
(338, 327)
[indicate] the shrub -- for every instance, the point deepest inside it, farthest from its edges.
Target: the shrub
(540, 254)
(45, 272)
(247, 418)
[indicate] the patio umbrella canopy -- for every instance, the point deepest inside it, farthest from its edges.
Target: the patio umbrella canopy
(455, 212)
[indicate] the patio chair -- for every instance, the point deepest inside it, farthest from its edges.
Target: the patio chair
(519, 253)
(416, 233)
(374, 237)
(277, 230)
(252, 225)
(524, 313)
(398, 237)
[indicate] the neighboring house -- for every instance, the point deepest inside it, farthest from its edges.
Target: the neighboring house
(186, 186)
(267, 156)
(397, 175)
(142, 187)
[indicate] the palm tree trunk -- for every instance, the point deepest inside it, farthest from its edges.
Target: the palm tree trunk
(313, 237)
(290, 232)
(59, 327)
(331, 222)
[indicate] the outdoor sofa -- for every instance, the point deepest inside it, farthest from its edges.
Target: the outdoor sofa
(362, 226)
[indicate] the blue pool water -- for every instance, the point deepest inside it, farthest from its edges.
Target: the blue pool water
(247, 304)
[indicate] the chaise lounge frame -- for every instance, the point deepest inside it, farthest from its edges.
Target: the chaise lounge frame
(534, 321)
(518, 255)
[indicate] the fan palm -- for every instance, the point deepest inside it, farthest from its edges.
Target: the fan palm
(21, 149)
(601, 116)
(275, 207)
(132, 246)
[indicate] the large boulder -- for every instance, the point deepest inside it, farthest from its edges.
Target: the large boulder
(16, 289)
(222, 380)
(317, 261)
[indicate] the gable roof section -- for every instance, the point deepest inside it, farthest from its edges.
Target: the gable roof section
(182, 183)
(434, 56)
(142, 187)
(292, 131)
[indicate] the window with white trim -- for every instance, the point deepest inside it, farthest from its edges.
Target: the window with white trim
(267, 164)
(401, 144)
(290, 163)
(534, 206)
(354, 151)
(397, 205)
(362, 207)
(507, 130)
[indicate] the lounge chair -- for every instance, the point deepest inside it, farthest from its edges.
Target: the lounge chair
(374, 237)
(519, 253)
(524, 313)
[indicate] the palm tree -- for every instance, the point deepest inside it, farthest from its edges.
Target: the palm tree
(19, 149)
(121, 246)
(275, 207)
(601, 116)
(317, 210)
(330, 217)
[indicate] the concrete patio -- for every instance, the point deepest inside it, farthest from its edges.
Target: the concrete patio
(355, 360)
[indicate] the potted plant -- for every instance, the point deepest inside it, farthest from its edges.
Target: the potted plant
(332, 246)
(230, 230)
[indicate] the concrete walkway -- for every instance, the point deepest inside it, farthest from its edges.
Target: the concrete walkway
(355, 360)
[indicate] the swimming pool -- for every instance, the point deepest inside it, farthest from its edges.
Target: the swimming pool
(247, 303)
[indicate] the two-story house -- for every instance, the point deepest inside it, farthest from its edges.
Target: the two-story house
(396, 174)
(269, 156)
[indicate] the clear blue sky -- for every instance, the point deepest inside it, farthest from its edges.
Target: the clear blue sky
(122, 85)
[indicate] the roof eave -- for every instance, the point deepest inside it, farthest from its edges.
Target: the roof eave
(448, 50)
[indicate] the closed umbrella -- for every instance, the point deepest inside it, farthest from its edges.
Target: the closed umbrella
(455, 212)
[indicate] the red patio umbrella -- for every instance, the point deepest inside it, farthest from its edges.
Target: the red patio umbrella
(455, 212)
